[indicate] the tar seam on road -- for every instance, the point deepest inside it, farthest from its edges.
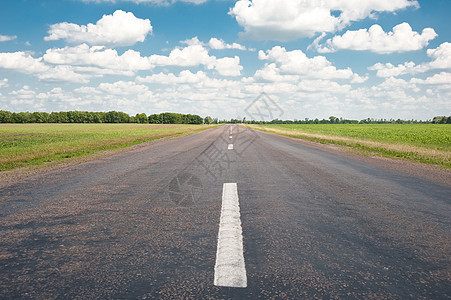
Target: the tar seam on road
(230, 270)
(230, 147)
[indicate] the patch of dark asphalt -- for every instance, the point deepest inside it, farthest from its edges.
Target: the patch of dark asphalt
(421, 170)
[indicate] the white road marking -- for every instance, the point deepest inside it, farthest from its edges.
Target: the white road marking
(230, 137)
(230, 147)
(230, 270)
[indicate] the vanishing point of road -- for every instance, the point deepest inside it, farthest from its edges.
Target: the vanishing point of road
(226, 213)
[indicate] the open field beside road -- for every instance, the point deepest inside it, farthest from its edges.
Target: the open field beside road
(426, 143)
(23, 145)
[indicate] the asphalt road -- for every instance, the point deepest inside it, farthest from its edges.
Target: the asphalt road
(144, 224)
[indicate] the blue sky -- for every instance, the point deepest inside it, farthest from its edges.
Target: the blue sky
(314, 58)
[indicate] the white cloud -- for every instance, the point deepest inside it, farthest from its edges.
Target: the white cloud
(390, 70)
(184, 77)
(401, 39)
(214, 43)
(119, 29)
(24, 93)
(190, 56)
(356, 78)
(228, 66)
(63, 73)
(5, 38)
(271, 73)
(108, 60)
(193, 41)
(219, 44)
(297, 63)
(123, 88)
(437, 79)
(441, 57)
(24, 63)
(195, 55)
(322, 86)
(441, 60)
(285, 20)
(4, 82)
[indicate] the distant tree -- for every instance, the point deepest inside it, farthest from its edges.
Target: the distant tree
(155, 119)
(208, 120)
(441, 120)
(141, 118)
(6, 116)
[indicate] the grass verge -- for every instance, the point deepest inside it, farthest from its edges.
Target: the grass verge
(425, 143)
(34, 145)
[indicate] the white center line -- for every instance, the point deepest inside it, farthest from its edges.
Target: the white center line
(230, 147)
(230, 270)
(230, 137)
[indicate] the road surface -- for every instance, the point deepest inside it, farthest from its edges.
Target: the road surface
(297, 222)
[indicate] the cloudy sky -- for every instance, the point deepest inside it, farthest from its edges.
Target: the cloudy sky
(313, 58)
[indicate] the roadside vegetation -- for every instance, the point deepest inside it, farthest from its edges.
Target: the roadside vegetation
(24, 145)
(426, 143)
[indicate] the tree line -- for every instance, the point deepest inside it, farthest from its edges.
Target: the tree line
(335, 120)
(100, 117)
(177, 118)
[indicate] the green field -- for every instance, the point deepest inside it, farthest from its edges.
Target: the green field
(23, 145)
(427, 143)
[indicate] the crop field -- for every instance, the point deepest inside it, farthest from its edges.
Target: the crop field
(427, 143)
(23, 145)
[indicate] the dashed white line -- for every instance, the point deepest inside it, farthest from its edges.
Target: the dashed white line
(230, 270)
(230, 137)
(230, 147)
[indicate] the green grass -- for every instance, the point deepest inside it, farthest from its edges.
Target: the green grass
(427, 143)
(23, 145)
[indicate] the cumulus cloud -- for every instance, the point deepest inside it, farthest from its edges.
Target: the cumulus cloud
(322, 86)
(184, 77)
(214, 43)
(285, 20)
(297, 63)
(4, 82)
(401, 39)
(441, 60)
(228, 66)
(390, 70)
(119, 29)
(437, 79)
(441, 57)
(80, 63)
(107, 61)
(193, 55)
(123, 88)
(5, 38)
(219, 44)
(271, 73)
(24, 63)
